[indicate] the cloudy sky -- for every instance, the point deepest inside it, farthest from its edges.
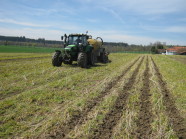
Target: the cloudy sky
(130, 21)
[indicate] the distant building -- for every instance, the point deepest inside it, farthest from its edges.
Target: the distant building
(161, 51)
(177, 50)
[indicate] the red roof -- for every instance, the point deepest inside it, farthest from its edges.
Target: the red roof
(177, 49)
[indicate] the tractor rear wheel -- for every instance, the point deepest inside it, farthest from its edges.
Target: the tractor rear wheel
(104, 57)
(56, 59)
(82, 60)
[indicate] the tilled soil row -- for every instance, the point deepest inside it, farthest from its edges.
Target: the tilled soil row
(173, 113)
(104, 130)
(145, 115)
(62, 131)
(19, 59)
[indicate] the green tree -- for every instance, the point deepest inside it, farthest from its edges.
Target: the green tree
(154, 49)
(160, 46)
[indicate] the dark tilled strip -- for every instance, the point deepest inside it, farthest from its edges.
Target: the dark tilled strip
(104, 130)
(62, 131)
(145, 115)
(175, 119)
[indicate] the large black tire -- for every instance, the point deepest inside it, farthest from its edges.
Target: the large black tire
(56, 59)
(82, 60)
(92, 58)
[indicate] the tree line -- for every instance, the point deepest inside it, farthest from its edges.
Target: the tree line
(109, 46)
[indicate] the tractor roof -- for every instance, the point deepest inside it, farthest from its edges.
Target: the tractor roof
(78, 35)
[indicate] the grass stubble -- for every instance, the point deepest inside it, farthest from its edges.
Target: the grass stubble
(38, 100)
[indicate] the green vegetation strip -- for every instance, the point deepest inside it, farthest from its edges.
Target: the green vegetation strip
(135, 52)
(25, 49)
(160, 125)
(173, 72)
(173, 113)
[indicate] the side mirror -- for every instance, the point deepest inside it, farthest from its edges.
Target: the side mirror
(61, 37)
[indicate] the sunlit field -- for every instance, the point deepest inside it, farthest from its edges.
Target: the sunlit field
(136, 95)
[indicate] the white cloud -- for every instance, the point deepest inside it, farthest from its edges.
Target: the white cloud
(22, 23)
(141, 39)
(168, 29)
(117, 36)
(32, 33)
(61, 26)
(176, 29)
(115, 14)
(145, 6)
(107, 35)
(65, 19)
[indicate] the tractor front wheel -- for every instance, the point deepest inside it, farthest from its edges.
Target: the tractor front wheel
(82, 60)
(56, 59)
(92, 59)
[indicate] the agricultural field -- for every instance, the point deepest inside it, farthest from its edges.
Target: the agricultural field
(134, 96)
(25, 49)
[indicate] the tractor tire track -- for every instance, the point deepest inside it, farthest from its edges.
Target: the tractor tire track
(145, 115)
(79, 117)
(175, 119)
(111, 119)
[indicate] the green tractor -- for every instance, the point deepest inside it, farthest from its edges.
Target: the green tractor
(81, 48)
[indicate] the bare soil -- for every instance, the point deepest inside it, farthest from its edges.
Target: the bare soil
(145, 115)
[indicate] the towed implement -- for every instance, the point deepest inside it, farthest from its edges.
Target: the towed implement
(81, 48)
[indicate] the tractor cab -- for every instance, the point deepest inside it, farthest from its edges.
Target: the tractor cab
(76, 39)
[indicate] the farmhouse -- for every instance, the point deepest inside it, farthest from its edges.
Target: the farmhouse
(161, 51)
(177, 50)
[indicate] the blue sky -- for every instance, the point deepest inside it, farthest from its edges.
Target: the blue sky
(130, 21)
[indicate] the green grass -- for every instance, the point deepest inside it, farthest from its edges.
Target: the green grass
(135, 52)
(174, 73)
(39, 97)
(43, 88)
(25, 49)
